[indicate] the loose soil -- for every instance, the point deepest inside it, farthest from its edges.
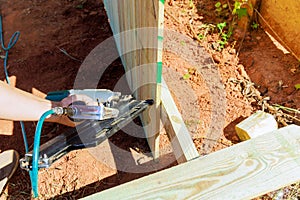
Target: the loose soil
(37, 61)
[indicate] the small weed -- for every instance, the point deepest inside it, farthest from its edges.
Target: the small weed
(191, 4)
(200, 36)
(297, 86)
(186, 76)
(182, 43)
(238, 10)
(221, 26)
(218, 6)
(254, 25)
(221, 9)
(191, 71)
(242, 12)
(223, 34)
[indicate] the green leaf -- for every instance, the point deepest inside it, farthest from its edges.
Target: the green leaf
(218, 9)
(255, 25)
(218, 5)
(225, 6)
(222, 43)
(297, 86)
(237, 4)
(200, 36)
(186, 76)
(241, 12)
(221, 26)
(191, 4)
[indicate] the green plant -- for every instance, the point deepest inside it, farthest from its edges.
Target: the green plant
(224, 35)
(221, 9)
(297, 86)
(238, 10)
(191, 4)
(254, 25)
(221, 26)
(200, 36)
(186, 76)
(182, 43)
(190, 72)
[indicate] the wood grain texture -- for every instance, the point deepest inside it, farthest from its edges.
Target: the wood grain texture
(136, 24)
(182, 143)
(243, 171)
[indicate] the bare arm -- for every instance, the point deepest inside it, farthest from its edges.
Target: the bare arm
(18, 105)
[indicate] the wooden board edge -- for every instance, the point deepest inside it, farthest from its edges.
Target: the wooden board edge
(243, 171)
(181, 140)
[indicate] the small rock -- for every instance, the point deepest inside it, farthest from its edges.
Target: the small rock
(293, 70)
(215, 46)
(258, 38)
(93, 13)
(216, 58)
(232, 51)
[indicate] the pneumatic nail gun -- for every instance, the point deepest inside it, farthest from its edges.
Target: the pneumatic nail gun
(99, 122)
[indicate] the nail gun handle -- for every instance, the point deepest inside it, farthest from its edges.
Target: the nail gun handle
(57, 95)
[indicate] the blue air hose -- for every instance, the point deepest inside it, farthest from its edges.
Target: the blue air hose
(37, 137)
(33, 174)
(13, 40)
(36, 153)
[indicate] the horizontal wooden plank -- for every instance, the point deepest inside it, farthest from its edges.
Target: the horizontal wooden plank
(243, 171)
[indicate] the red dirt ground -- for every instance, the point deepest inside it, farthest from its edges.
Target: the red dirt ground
(78, 26)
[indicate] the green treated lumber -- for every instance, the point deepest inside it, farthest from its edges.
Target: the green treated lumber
(243, 171)
(181, 140)
(137, 25)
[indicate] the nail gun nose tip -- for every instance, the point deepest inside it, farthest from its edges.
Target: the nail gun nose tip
(150, 101)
